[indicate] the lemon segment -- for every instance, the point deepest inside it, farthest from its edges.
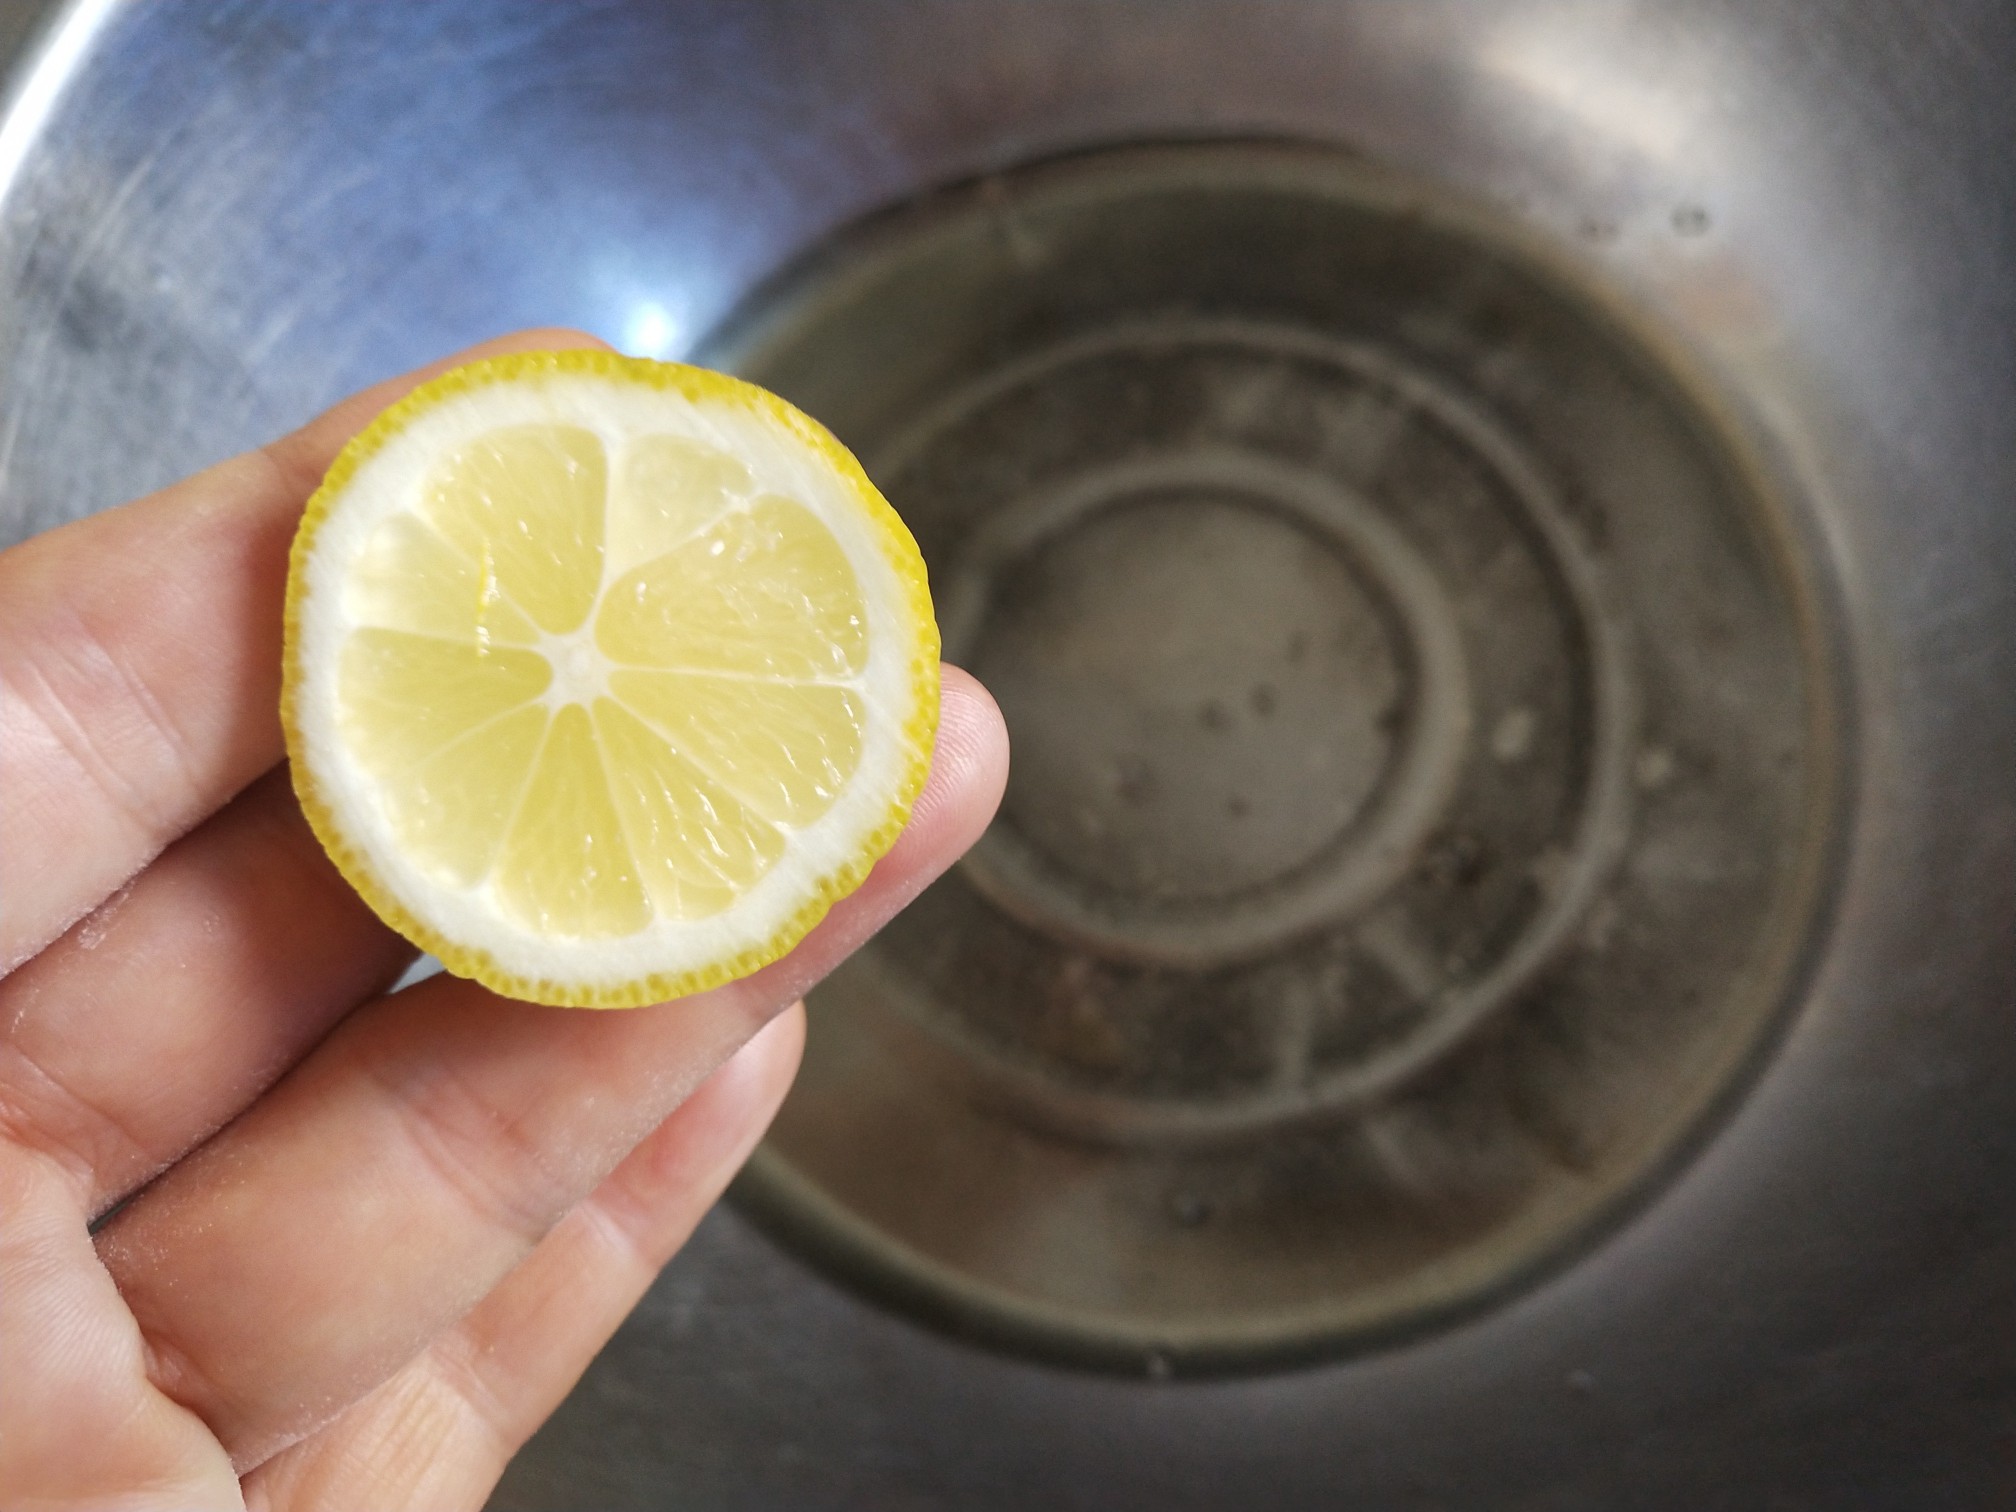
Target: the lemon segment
(704, 848)
(670, 488)
(453, 810)
(566, 868)
(604, 678)
(526, 503)
(764, 590)
(405, 696)
(785, 749)
(410, 578)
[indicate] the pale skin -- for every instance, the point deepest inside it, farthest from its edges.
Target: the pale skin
(369, 1242)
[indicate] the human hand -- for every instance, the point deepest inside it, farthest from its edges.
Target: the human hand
(371, 1241)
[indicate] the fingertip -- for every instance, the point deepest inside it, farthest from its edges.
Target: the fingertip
(772, 1057)
(965, 703)
(531, 339)
(743, 1094)
(969, 764)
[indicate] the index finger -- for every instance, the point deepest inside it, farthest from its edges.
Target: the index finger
(140, 663)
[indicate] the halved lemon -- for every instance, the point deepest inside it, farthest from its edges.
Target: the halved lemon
(604, 678)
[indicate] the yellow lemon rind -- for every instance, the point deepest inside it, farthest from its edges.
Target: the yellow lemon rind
(698, 385)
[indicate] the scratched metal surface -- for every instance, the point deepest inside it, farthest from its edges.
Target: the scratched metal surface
(216, 217)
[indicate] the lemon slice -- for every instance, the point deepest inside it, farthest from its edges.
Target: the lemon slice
(604, 678)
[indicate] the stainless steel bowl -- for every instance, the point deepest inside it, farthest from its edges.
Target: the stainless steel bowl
(1793, 1284)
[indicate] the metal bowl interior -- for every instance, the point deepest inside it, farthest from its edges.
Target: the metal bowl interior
(1428, 746)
